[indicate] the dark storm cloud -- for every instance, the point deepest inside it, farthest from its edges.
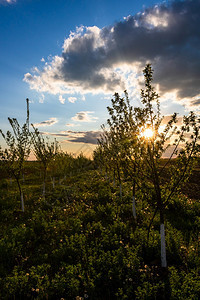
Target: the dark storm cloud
(87, 137)
(196, 102)
(169, 38)
(166, 36)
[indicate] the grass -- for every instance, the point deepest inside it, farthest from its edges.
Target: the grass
(81, 241)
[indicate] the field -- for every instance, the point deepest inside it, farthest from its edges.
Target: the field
(80, 240)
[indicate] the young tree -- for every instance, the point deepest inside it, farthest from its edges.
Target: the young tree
(120, 142)
(44, 151)
(153, 143)
(61, 166)
(136, 141)
(18, 149)
(124, 132)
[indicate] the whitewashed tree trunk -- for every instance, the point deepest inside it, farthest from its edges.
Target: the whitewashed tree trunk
(10, 180)
(134, 209)
(163, 248)
(22, 202)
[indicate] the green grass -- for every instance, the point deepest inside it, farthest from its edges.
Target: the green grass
(82, 241)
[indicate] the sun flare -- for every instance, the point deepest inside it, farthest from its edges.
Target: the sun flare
(148, 133)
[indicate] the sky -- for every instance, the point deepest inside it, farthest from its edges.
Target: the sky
(69, 57)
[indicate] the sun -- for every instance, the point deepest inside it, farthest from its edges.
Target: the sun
(148, 133)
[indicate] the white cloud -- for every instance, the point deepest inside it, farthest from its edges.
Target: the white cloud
(84, 116)
(49, 122)
(106, 60)
(70, 125)
(72, 99)
(158, 17)
(61, 99)
(41, 98)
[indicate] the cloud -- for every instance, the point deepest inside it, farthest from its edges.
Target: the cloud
(87, 137)
(7, 1)
(49, 122)
(61, 99)
(72, 99)
(108, 59)
(70, 125)
(84, 116)
(41, 98)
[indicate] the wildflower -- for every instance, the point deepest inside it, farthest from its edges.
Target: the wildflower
(130, 279)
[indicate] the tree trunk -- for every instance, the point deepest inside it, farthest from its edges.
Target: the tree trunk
(22, 201)
(163, 248)
(162, 234)
(44, 183)
(120, 183)
(160, 206)
(114, 179)
(133, 206)
(53, 182)
(21, 193)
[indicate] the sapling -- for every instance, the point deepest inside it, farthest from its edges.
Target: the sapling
(153, 143)
(136, 142)
(44, 151)
(60, 166)
(18, 149)
(119, 142)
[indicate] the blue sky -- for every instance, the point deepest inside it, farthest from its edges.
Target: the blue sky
(69, 57)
